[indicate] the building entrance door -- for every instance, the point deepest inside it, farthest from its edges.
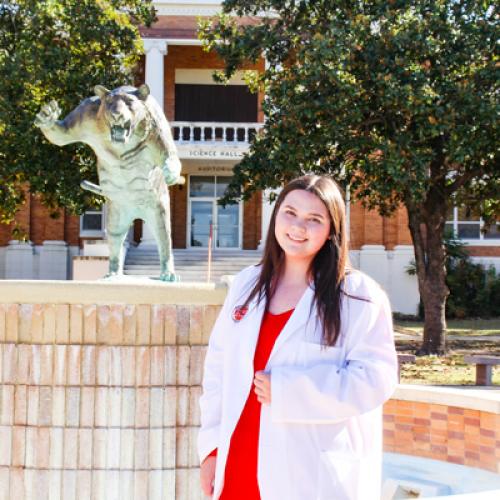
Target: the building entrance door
(204, 191)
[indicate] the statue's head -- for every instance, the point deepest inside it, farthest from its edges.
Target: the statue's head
(123, 109)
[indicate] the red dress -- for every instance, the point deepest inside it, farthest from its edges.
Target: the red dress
(240, 477)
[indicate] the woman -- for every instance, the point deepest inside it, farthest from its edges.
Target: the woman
(299, 363)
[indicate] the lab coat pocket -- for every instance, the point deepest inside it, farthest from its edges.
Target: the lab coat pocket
(312, 353)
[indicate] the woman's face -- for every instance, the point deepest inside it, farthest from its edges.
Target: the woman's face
(302, 224)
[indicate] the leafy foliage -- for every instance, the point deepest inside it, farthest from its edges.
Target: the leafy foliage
(398, 99)
(375, 91)
(58, 49)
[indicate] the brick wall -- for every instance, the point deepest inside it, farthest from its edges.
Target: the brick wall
(101, 401)
(252, 224)
(189, 57)
(443, 432)
(178, 209)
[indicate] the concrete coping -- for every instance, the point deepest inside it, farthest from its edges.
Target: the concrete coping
(468, 397)
(126, 290)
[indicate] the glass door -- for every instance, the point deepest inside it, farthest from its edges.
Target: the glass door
(201, 218)
(204, 191)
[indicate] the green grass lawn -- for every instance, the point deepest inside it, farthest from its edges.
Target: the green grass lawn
(449, 369)
(472, 327)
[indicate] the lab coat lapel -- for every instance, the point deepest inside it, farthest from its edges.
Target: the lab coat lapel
(300, 316)
(248, 329)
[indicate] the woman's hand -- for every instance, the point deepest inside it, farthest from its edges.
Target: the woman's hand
(207, 475)
(262, 382)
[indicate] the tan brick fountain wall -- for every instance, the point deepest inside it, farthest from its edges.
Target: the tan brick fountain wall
(101, 401)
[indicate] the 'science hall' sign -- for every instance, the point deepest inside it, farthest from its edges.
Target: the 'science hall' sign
(213, 153)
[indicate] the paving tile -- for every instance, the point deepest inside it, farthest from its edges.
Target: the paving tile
(5, 445)
(128, 355)
(72, 406)
(157, 377)
(169, 407)
(88, 367)
(76, 324)
(46, 364)
(74, 364)
(49, 323)
(128, 407)
(112, 485)
(58, 406)
(55, 485)
(60, 365)
(25, 312)
(42, 447)
(170, 365)
(90, 324)
(127, 485)
(62, 323)
(9, 364)
(142, 407)
(101, 407)
(183, 325)
(196, 362)
(155, 448)
(129, 324)
(23, 364)
(85, 449)
(183, 358)
(33, 405)
(45, 406)
(12, 323)
(141, 449)
(195, 325)
(170, 324)
(115, 403)
(69, 485)
(20, 404)
(3, 313)
(115, 365)
(127, 450)
(18, 446)
(99, 442)
(83, 485)
(113, 449)
(143, 366)
(157, 324)
(143, 335)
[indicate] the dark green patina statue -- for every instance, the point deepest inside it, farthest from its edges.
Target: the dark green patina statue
(136, 160)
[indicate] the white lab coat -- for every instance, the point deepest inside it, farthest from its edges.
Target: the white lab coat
(321, 436)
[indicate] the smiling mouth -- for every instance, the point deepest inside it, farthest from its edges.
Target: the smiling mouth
(296, 240)
(121, 133)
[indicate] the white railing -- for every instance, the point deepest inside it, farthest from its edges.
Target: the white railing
(214, 132)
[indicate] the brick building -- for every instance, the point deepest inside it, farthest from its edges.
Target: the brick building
(212, 126)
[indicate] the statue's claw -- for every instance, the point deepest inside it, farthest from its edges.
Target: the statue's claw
(168, 276)
(48, 115)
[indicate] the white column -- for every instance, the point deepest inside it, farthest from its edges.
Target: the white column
(19, 260)
(156, 49)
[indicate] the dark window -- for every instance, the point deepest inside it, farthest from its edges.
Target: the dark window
(215, 103)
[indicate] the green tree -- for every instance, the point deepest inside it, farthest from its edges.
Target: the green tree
(399, 99)
(58, 49)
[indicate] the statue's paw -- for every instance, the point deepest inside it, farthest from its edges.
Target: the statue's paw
(171, 178)
(168, 276)
(48, 115)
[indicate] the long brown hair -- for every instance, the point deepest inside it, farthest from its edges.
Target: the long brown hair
(329, 266)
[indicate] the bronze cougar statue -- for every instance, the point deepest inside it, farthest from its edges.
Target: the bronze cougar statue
(136, 162)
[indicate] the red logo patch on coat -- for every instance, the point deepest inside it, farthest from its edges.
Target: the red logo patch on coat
(239, 312)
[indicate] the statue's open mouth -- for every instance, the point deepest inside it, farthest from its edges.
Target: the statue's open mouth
(121, 133)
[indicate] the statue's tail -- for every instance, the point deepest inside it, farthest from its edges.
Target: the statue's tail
(93, 188)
